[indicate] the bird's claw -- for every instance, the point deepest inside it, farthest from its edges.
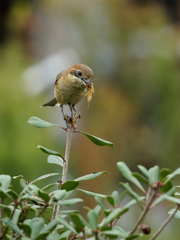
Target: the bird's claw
(70, 121)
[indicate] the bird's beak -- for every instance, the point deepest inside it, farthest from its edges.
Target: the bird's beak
(86, 80)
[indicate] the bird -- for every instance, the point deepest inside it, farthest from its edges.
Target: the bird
(70, 86)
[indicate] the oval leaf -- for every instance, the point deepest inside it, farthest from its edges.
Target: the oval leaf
(93, 219)
(115, 213)
(143, 170)
(44, 195)
(45, 176)
(163, 197)
(5, 181)
(55, 160)
(58, 194)
(90, 176)
(172, 175)
(110, 200)
(125, 171)
(153, 176)
(61, 219)
(70, 185)
(39, 123)
(49, 151)
(70, 202)
(96, 140)
(8, 222)
(92, 194)
(78, 221)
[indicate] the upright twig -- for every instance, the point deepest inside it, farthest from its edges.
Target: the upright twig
(70, 130)
(67, 153)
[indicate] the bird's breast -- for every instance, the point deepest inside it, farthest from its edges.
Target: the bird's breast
(69, 92)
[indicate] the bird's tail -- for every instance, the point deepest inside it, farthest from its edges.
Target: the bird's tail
(51, 103)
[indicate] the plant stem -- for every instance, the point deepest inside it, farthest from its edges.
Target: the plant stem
(166, 222)
(67, 153)
(70, 130)
(42, 210)
(144, 212)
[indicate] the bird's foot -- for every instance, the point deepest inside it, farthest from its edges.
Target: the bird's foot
(71, 121)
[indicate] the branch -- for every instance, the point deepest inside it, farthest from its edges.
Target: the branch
(70, 130)
(166, 222)
(144, 212)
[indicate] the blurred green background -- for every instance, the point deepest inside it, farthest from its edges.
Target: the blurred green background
(133, 47)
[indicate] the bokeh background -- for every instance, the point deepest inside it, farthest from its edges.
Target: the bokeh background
(133, 47)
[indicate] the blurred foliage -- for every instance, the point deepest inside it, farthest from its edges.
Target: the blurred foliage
(45, 213)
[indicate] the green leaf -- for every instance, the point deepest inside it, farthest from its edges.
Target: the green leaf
(70, 185)
(172, 175)
(132, 202)
(49, 186)
(61, 219)
(154, 176)
(58, 194)
(114, 214)
(13, 194)
(115, 230)
(36, 225)
(140, 178)
(16, 215)
(50, 226)
(18, 177)
(110, 200)
(44, 177)
(93, 219)
(78, 221)
(42, 236)
(39, 123)
(44, 195)
(125, 171)
(96, 140)
(144, 170)
(64, 236)
(99, 201)
(97, 210)
(26, 228)
(164, 172)
(56, 236)
(131, 192)
(177, 214)
(92, 194)
(116, 197)
(5, 181)
(8, 222)
(163, 196)
(55, 160)
(122, 196)
(48, 151)
(90, 176)
(70, 202)
(134, 236)
(172, 199)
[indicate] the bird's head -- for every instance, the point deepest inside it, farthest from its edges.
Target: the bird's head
(81, 72)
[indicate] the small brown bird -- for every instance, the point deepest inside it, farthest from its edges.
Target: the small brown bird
(71, 85)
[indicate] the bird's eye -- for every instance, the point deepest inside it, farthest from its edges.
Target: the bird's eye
(79, 73)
